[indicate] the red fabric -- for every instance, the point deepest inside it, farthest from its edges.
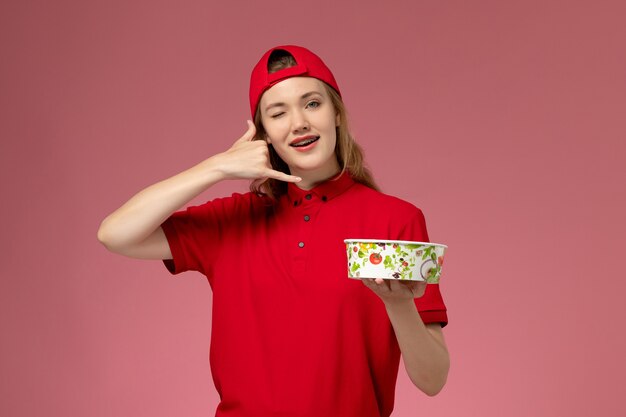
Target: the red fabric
(292, 335)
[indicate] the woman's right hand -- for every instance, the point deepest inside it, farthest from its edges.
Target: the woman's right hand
(249, 159)
(134, 228)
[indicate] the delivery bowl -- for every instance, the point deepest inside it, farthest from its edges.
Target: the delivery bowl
(395, 259)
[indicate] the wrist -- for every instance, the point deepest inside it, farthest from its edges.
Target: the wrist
(214, 169)
(400, 305)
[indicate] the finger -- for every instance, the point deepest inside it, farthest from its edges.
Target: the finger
(382, 284)
(370, 283)
(249, 135)
(394, 285)
(281, 176)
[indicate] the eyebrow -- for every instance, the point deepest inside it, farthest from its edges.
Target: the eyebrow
(305, 95)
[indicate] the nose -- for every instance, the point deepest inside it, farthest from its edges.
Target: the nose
(299, 121)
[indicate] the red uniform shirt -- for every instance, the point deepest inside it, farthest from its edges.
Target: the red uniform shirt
(292, 335)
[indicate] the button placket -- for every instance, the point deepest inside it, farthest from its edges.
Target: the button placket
(305, 211)
(307, 205)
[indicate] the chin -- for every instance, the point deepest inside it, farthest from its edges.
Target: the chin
(309, 164)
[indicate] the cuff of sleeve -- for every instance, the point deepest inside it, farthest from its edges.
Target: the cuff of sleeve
(436, 316)
(177, 264)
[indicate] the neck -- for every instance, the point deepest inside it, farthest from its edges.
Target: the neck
(311, 179)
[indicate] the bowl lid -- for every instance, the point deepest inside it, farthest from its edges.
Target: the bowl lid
(391, 242)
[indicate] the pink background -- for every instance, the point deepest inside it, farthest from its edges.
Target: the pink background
(503, 121)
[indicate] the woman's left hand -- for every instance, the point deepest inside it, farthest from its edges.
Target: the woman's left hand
(393, 290)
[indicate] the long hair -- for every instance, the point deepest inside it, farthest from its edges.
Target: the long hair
(349, 154)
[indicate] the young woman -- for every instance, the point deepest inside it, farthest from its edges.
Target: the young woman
(291, 334)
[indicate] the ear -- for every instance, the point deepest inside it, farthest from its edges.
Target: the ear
(337, 120)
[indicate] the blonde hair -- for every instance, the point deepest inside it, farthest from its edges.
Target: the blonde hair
(349, 154)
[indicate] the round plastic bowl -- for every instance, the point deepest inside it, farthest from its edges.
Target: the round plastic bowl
(395, 259)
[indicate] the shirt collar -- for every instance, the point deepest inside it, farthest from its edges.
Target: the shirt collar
(324, 191)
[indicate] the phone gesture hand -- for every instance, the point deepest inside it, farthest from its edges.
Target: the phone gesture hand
(249, 159)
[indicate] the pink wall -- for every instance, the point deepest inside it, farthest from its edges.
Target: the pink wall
(509, 116)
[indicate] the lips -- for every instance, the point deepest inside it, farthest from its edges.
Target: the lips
(304, 141)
